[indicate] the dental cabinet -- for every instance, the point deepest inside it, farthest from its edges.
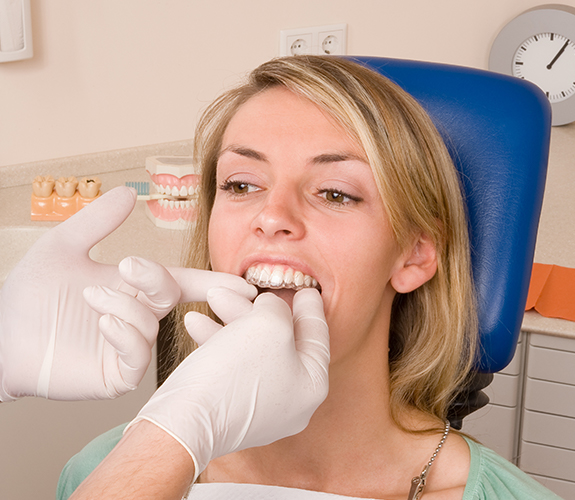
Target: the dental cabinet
(530, 419)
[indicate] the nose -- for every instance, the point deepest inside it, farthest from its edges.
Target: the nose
(280, 216)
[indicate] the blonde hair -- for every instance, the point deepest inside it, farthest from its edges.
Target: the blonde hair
(433, 329)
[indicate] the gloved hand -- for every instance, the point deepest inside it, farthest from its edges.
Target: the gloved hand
(255, 381)
(50, 340)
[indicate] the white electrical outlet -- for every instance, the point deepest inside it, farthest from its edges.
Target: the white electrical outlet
(299, 44)
(331, 40)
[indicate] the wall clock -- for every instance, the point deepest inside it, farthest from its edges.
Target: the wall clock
(539, 46)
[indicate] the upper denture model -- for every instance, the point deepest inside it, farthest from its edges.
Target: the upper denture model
(175, 177)
(57, 200)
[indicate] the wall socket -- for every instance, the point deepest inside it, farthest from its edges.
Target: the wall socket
(331, 40)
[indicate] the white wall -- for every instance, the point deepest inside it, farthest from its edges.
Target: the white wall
(113, 74)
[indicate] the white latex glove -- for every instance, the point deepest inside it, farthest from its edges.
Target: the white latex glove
(50, 340)
(255, 381)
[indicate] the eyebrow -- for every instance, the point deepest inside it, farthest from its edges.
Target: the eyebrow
(321, 159)
(337, 157)
(243, 151)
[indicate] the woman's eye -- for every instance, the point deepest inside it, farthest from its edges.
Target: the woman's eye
(240, 188)
(336, 197)
(237, 187)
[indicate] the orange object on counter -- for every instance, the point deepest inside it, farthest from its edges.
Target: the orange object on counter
(552, 291)
(69, 196)
(57, 207)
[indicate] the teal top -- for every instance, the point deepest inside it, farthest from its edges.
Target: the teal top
(490, 477)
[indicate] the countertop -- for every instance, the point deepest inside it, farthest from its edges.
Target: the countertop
(556, 235)
(136, 236)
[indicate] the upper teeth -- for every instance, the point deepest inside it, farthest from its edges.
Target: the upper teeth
(175, 191)
(279, 276)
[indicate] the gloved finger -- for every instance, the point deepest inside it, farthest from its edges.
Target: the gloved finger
(4, 397)
(125, 307)
(200, 327)
(274, 304)
(134, 352)
(312, 333)
(195, 283)
(158, 289)
(227, 304)
(95, 221)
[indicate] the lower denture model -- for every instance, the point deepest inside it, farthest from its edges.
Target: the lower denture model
(177, 179)
(58, 200)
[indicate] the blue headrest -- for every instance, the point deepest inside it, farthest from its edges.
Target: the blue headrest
(497, 130)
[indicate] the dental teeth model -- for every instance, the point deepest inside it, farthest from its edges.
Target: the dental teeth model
(176, 181)
(279, 276)
(57, 200)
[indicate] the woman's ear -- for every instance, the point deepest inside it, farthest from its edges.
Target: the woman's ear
(417, 266)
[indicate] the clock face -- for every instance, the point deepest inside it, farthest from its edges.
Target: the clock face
(548, 60)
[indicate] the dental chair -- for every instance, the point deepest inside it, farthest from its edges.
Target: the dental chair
(497, 130)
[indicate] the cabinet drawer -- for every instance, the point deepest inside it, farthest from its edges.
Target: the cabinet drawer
(548, 429)
(514, 367)
(551, 365)
(552, 342)
(547, 461)
(565, 489)
(504, 390)
(550, 397)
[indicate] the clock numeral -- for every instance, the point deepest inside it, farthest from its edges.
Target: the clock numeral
(519, 63)
(552, 35)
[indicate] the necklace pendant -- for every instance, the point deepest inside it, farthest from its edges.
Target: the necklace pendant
(417, 485)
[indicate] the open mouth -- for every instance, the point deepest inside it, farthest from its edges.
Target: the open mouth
(176, 178)
(279, 277)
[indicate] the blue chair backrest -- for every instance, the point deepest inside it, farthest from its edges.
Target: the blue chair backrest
(497, 130)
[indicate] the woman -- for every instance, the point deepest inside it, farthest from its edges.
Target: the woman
(320, 174)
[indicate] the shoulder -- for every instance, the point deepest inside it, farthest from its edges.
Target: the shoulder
(493, 477)
(83, 463)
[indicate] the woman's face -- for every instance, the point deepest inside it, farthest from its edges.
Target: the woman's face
(296, 203)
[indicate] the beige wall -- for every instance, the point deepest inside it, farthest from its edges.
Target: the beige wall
(113, 74)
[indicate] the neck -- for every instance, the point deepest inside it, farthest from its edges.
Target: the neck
(353, 425)
(351, 446)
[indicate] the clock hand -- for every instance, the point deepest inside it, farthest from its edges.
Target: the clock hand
(550, 65)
